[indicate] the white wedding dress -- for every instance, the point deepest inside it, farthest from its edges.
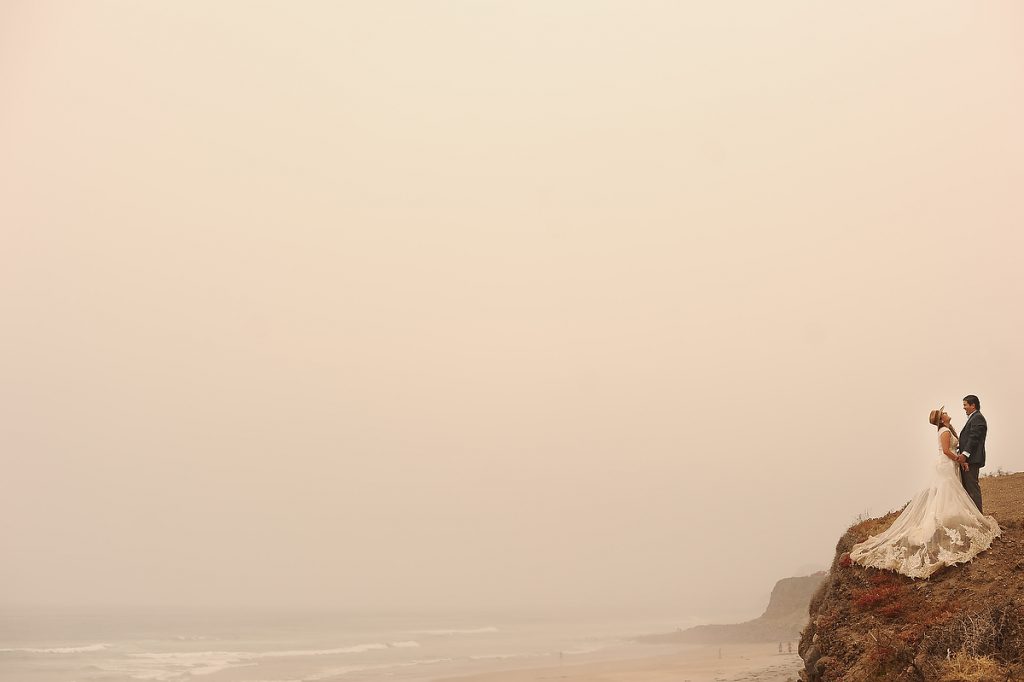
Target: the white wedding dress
(939, 527)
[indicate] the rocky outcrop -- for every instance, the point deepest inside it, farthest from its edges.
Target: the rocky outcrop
(782, 621)
(964, 623)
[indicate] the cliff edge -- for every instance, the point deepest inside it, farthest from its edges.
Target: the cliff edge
(782, 621)
(966, 623)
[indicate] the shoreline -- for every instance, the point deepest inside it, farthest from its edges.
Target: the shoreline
(738, 662)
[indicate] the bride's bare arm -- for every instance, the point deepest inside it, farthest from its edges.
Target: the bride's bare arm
(945, 440)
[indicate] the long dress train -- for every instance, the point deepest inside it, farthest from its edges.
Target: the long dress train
(940, 527)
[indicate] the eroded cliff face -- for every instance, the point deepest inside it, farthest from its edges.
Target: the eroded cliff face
(965, 623)
(782, 621)
(791, 597)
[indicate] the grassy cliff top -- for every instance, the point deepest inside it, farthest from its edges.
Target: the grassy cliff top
(965, 623)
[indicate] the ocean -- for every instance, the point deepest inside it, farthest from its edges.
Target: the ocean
(56, 646)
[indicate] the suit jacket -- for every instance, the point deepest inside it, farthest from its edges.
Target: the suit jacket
(972, 439)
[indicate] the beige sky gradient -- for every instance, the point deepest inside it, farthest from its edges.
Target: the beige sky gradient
(474, 305)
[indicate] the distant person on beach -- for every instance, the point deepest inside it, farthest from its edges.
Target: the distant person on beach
(972, 447)
(943, 524)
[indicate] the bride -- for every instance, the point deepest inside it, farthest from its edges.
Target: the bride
(940, 527)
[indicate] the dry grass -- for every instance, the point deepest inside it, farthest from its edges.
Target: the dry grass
(997, 631)
(963, 667)
(964, 624)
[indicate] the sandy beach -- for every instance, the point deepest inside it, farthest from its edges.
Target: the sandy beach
(739, 662)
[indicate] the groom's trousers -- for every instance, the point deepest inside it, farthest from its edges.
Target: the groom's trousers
(971, 485)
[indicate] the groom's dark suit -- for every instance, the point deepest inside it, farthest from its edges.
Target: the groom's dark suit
(972, 442)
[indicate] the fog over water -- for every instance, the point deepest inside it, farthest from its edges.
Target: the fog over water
(481, 307)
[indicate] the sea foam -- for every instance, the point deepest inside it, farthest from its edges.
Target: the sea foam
(59, 649)
(472, 631)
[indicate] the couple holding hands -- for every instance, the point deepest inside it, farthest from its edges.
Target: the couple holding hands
(943, 525)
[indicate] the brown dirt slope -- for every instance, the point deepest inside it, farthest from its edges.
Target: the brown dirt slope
(966, 623)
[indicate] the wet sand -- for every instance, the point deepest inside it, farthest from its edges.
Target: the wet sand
(738, 663)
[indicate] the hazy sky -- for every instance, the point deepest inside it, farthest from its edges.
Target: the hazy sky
(474, 305)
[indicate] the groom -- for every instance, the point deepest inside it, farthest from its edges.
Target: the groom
(972, 446)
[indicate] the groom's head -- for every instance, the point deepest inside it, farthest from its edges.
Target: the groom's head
(971, 404)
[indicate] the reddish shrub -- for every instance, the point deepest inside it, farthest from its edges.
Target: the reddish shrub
(879, 578)
(892, 609)
(869, 599)
(909, 637)
(882, 656)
